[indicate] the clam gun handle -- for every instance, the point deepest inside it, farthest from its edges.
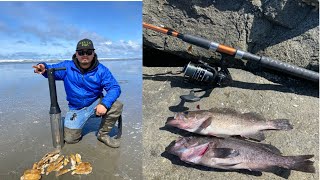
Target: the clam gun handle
(264, 61)
(54, 108)
(58, 69)
(55, 112)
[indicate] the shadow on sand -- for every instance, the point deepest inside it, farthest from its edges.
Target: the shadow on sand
(286, 85)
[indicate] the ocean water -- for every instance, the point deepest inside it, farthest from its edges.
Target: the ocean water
(25, 123)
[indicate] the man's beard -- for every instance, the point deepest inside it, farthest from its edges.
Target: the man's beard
(86, 62)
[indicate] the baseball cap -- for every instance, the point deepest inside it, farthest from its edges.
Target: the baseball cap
(85, 44)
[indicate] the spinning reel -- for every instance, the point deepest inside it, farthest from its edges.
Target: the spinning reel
(204, 74)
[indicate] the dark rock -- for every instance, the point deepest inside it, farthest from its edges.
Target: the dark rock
(284, 30)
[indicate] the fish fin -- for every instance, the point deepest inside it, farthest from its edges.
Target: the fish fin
(206, 123)
(220, 135)
(279, 171)
(253, 115)
(282, 172)
(227, 165)
(271, 148)
(249, 115)
(302, 163)
(281, 124)
(224, 111)
(257, 137)
(272, 169)
(223, 153)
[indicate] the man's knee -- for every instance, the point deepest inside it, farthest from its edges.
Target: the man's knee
(72, 136)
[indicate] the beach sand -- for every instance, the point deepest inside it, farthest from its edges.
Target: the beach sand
(25, 124)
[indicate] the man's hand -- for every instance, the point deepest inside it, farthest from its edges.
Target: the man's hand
(100, 110)
(39, 69)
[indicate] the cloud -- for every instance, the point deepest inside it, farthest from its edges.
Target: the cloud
(108, 43)
(20, 42)
(58, 44)
(23, 55)
(35, 27)
(120, 49)
(52, 32)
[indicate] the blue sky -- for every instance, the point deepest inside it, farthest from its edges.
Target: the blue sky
(51, 30)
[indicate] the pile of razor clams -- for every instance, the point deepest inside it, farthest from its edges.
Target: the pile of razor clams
(54, 161)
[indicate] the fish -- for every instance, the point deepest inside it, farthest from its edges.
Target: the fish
(222, 122)
(233, 154)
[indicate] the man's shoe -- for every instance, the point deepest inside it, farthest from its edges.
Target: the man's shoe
(109, 141)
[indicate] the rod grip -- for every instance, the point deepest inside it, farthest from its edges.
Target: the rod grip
(198, 41)
(289, 69)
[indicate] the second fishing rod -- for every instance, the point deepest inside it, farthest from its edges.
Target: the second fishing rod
(239, 54)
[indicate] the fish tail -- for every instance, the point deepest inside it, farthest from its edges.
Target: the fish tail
(280, 124)
(302, 163)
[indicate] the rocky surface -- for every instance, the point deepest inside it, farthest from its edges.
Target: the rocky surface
(290, 99)
(286, 30)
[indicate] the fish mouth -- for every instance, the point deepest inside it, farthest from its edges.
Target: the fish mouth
(179, 116)
(176, 146)
(170, 119)
(185, 147)
(176, 120)
(194, 154)
(170, 148)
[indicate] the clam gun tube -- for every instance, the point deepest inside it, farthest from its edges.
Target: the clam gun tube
(55, 112)
(238, 54)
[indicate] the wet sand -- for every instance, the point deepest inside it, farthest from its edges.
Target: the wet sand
(25, 125)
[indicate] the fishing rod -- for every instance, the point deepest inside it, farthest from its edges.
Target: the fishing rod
(202, 72)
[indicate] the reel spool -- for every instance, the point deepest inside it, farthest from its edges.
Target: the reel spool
(204, 74)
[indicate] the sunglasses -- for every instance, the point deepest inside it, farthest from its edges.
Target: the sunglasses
(82, 52)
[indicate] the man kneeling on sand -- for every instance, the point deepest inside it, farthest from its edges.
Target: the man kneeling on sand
(84, 81)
